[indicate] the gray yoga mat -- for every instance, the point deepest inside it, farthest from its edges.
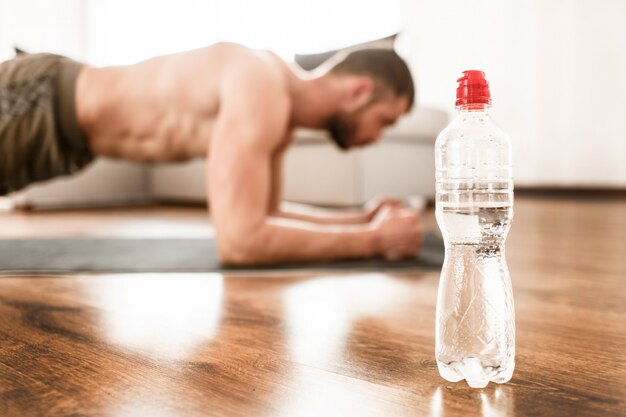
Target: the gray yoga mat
(71, 255)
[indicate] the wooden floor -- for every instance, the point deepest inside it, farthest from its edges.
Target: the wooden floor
(310, 345)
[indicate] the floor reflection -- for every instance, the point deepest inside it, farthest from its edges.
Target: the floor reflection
(492, 401)
(435, 404)
(319, 312)
(497, 402)
(323, 394)
(163, 315)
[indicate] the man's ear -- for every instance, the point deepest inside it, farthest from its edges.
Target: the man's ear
(360, 91)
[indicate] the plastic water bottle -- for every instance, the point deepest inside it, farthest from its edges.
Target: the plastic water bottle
(475, 327)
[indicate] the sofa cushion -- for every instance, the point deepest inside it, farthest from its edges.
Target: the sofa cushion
(311, 61)
(422, 124)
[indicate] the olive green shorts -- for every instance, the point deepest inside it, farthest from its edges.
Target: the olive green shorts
(39, 134)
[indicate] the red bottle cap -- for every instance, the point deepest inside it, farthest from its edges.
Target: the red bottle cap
(473, 89)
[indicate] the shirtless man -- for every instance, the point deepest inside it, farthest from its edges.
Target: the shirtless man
(235, 106)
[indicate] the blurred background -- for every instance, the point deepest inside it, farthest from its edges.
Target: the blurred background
(557, 72)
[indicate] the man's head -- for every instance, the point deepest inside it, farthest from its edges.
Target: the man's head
(378, 90)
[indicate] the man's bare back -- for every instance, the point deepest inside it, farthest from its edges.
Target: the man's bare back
(162, 109)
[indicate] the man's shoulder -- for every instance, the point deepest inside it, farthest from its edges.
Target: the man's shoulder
(257, 77)
(243, 63)
(254, 88)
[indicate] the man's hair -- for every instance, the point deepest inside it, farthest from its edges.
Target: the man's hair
(384, 66)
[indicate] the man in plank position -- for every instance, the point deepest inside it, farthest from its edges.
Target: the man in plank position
(235, 106)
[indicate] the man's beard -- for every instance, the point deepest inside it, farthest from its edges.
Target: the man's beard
(342, 127)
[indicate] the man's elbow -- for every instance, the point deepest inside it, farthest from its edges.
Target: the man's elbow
(240, 250)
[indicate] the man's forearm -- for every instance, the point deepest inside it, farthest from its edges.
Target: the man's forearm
(284, 240)
(321, 216)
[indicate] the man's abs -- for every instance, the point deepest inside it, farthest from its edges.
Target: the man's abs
(159, 110)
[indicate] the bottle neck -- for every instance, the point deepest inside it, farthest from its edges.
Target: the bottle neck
(473, 108)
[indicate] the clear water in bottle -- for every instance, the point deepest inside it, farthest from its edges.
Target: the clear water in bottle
(475, 323)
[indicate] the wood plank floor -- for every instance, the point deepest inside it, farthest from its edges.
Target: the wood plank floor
(310, 345)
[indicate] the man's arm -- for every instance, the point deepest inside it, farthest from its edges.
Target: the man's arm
(320, 215)
(252, 122)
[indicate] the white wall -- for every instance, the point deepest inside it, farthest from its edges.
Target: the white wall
(557, 71)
